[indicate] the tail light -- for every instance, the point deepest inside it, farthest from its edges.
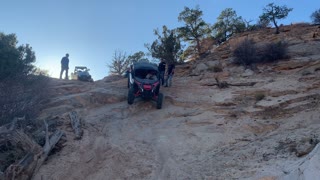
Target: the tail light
(147, 87)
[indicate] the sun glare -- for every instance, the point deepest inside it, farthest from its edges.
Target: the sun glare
(51, 64)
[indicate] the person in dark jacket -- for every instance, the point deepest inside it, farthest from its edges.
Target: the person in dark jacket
(170, 74)
(162, 70)
(64, 66)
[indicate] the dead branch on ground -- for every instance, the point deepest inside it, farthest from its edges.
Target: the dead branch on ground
(34, 156)
(76, 124)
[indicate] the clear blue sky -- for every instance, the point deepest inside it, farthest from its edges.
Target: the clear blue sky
(92, 30)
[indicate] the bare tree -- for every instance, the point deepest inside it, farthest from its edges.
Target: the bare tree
(119, 64)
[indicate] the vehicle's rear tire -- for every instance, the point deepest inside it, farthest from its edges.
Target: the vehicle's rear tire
(131, 95)
(159, 101)
(128, 82)
(157, 90)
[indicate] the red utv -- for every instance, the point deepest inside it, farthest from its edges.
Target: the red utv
(144, 82)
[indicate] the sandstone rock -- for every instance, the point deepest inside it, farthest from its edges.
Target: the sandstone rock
(309, 169)
(199, 68)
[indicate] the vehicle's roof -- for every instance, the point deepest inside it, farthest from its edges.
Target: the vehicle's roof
(80, 67)
(145, 65)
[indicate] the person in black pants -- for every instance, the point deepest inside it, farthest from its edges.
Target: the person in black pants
(170, 73)
(162, 70)
(64, 66)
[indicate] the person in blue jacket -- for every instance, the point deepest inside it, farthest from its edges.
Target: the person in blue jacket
(64, 66)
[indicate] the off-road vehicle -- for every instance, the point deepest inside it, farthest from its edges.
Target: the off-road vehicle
(144, 82)
(81, 73)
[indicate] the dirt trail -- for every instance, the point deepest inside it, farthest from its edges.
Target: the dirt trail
(201, 132)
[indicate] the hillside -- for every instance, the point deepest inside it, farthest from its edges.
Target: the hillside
(263, 131)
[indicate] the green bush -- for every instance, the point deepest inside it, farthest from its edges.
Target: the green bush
(245, 53)
(20, 91)
(14, 60)
(315, 16)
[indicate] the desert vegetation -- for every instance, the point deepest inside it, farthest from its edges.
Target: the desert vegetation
(23, 89)
(246, 53)
(315, 17)
(196, 31)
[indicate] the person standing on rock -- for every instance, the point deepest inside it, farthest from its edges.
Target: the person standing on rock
(170, 74)
(162, 70)
(64, 66)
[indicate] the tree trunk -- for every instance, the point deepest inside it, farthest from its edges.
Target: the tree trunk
(34, 154)
(275, 24)
(25, 167)
(198, 46)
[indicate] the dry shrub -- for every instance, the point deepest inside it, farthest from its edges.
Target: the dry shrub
(245, 52)
(215, 68)
(9, 154)
(274, 51)
(22, 96)
(300, 24)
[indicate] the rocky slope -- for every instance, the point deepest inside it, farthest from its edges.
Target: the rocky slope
(264, 131)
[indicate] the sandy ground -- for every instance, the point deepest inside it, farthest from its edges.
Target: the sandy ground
(202, 132)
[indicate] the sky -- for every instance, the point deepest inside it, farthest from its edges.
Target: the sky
(91, 31)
